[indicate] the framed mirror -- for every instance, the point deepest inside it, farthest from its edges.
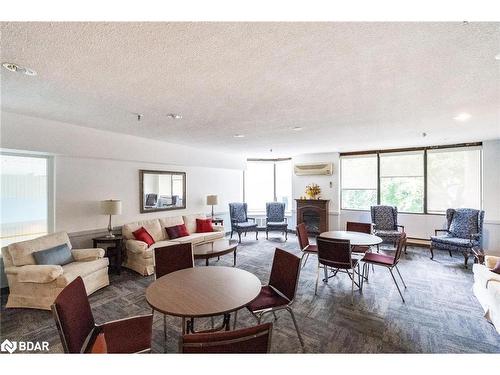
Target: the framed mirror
(162, 190)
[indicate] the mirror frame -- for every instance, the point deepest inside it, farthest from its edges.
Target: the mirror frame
(142, 172)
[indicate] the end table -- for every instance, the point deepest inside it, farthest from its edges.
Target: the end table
(218, 220)
(114, 251)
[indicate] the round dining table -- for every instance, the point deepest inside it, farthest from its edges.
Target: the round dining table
(202, 292)
(356, 238)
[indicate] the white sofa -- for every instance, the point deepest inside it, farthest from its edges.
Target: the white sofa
(140, 258)
(487, 289)
(36, 286)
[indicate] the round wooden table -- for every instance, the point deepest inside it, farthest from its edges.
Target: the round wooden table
(215, 249)
(202, 292)
(356, 238)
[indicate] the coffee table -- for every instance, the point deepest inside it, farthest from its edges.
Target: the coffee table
(215, 249)
(202, 292)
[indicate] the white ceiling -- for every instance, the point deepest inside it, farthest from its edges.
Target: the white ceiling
(351, 86)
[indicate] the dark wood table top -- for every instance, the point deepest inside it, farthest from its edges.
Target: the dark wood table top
(214, 249)
(203, 291)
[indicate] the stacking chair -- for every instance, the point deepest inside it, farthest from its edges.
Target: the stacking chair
(388, 261)
(80, 334)
(255, 340)
(337, 255)
(275, 218)
(361, 228)
(305, 247)
(169, 259)
(279, 294)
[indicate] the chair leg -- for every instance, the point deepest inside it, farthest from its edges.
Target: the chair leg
(239, 237)
(231, 236)
(466, 259)
(305, 261)
(401, 277)
(256, 235)
(352, 287)
(397, 286)
(296, 326)
(378, 248)
(286, 235)
(449, 251)
(235, 319)
(317, 279)
(432, 251)
(267, 234)
(275, 317)
(325, 270)
(406, 248)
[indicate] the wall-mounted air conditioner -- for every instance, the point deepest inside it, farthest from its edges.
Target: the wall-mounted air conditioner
(313, 169)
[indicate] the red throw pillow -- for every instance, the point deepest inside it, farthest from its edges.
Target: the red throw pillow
(496, 269)
(204, 226)
(143, 235)
(177, 231)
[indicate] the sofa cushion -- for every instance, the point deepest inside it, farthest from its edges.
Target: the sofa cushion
(39, 274)
(172, 221)
(72, 270)
(190, 221)
(192, 238)
(21, 253)
(57, 255)
(449, 240)
(152, 226)
(204, 226)
(212, 236)
(176, 231)
(143, 235)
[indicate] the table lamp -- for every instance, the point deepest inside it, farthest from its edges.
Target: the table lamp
(111, 207)
(212, 201)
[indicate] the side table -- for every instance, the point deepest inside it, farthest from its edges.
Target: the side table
(218, 220)
(112, 252)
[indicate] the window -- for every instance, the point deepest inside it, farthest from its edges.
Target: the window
(402, 181)
(453, 178)
(359, 182)
(268, 181)
(25, 197)
(426, 180)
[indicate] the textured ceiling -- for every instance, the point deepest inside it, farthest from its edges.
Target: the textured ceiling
(351, 86)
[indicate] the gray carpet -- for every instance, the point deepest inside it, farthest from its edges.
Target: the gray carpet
(441, 315)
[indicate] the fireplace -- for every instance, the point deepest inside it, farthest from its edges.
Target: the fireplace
(314, 214)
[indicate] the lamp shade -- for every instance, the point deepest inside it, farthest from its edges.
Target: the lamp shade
(111, 207)
(212, 200)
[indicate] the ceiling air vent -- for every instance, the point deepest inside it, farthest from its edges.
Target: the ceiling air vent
(313, 169)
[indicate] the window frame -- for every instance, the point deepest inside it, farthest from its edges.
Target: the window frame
(377, 153)
(50, 160)
(274, 161)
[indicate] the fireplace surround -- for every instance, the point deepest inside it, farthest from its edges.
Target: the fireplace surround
(314, 214)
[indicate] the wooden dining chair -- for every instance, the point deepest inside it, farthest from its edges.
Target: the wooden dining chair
(80, 334)
(305, 247)
(352, 226)
(255, 340)
(336, 255)
(388, 261)
(169, 259)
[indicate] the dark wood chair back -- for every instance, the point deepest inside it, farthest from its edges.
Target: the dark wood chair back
(285, 273)
(173, 258)
(400, 247)
(359, 227)
(302, 236)
(334, 253)
(248, 340)
(73, 316)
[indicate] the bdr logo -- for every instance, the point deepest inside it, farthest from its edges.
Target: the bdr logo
(24, 346)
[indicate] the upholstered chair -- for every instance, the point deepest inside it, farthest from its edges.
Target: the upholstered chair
(256, 340)
(385, 223)
(463, 233)
(240, 222)
(275, 218)
(80, 334)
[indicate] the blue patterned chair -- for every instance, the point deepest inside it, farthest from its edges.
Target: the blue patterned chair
(240, 222)
(385, 224)
(463, 233)
(275, 218)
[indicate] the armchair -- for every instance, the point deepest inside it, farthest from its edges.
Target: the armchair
(275, 218)
(240, 222)
(385, 224)
(463, 233)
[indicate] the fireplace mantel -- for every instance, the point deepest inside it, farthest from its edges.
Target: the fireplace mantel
(314, 213)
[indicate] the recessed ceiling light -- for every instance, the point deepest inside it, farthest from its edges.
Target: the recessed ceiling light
(239, 136)
(462, 117)
(18, 69)
(297, 128)
(174, 116)
(497, 57)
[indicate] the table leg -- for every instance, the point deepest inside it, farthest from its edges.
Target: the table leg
(164, 333)
(234, 260)
(119, 259)
(206, 262)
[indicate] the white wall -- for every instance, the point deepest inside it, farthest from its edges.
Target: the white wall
(417, 226)
(92, 165)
